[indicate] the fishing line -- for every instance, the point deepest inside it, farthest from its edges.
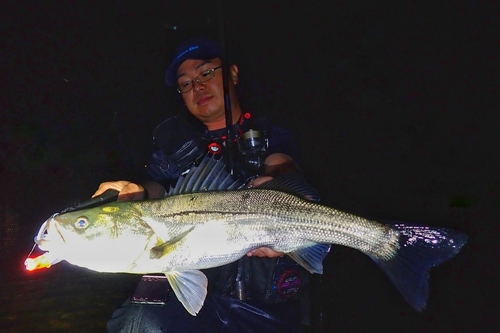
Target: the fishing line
(32, 249)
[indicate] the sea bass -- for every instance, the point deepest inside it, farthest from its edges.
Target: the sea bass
(200, 226)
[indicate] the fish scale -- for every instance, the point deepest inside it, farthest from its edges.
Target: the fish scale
(282, 212)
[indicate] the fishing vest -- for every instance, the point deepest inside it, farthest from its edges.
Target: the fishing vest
(183, 141)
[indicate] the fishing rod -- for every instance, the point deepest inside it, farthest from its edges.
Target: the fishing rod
(317, 314)
(107, 196)
(225, 84)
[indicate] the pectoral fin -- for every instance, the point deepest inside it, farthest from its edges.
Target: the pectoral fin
(311, 258)
(164, 248)
(190, 287)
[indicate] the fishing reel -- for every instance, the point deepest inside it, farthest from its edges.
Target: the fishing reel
(249, 148)
(252, 145)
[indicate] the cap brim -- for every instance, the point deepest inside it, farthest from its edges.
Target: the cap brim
(204, 54)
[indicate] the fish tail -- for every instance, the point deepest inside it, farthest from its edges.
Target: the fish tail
(420, 249)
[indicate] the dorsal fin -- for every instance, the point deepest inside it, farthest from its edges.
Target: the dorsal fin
(209, 175)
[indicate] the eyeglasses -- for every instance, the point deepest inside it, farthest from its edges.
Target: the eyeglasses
(204, 76)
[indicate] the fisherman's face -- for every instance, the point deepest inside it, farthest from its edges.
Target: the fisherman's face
(206, 100)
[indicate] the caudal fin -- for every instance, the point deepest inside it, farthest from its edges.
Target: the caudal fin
(421, 248)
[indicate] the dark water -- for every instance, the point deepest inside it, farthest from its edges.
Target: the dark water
(60, 299)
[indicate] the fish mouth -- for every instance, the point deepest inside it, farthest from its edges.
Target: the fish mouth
(45, 235)
(42, 239)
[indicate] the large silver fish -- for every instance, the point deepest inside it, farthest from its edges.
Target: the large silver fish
(185, 232)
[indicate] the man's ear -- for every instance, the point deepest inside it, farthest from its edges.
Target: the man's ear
(233, 70)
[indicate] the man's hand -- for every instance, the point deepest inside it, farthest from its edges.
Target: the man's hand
(127, 190)
(264, 252)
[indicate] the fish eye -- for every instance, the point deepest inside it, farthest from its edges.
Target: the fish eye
(82, 222)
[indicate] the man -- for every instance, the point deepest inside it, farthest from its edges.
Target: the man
(196, 71)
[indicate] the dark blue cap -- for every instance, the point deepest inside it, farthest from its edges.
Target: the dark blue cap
(199, 48)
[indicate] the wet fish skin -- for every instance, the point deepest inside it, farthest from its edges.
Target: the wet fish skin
(207, 221)
(194, 231)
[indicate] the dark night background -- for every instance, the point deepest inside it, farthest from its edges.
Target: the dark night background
(392, 102)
